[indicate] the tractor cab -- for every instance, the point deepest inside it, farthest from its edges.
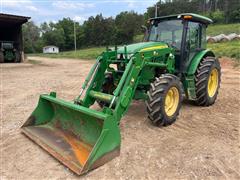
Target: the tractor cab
(185, 33)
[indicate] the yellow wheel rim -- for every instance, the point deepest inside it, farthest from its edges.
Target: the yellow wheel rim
(171, 101)
(213, 82)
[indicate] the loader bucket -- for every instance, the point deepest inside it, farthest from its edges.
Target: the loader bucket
(79, 137)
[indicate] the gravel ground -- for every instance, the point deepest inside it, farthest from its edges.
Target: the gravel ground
(202, 144)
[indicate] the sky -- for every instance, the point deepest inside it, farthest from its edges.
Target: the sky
(79, 10)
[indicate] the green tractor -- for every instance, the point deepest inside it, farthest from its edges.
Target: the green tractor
(170, 64)
(8, 53)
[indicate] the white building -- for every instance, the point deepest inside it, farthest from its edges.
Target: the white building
(50, 49)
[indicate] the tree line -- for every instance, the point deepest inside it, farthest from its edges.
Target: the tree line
(221, 11)
(96, 31)
(101, 31)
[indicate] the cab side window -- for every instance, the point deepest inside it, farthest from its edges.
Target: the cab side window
(193, 36)
(193, 41)
(203, 38)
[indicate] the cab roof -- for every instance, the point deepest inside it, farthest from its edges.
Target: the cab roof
(187, 16)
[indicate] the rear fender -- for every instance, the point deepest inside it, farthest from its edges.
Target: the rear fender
(196, 60)
(189, 80)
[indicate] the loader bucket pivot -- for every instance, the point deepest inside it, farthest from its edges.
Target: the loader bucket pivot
(79, 137)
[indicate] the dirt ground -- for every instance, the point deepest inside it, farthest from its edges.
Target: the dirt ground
(202, 144)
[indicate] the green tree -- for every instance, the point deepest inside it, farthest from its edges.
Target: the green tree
(67, 26)
(99, 31)
(128, 24)
(52, 35)
(31, 38)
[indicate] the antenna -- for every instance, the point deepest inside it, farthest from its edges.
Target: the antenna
(156, 7)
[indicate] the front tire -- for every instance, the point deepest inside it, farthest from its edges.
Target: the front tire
(164, 100)
(207, 79)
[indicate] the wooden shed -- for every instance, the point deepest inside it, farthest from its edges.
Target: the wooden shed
(11, 33)
(51, 49)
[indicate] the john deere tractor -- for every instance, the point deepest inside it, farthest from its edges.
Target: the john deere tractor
(8, 53)
(172, 63)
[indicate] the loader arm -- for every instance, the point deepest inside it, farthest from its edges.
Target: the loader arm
(123, 94)
(128, 81)
(126, 88)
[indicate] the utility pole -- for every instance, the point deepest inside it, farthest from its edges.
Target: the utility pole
(75, 40)
(156, 10)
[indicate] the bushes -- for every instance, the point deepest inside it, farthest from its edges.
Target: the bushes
(217, 16)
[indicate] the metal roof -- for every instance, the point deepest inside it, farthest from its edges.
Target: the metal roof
(49, 46)
(195, 17)
(11, 20)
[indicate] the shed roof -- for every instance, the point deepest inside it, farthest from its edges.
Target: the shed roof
(12, 20)
(195, 17)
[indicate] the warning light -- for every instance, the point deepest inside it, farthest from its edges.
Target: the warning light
(187, 17)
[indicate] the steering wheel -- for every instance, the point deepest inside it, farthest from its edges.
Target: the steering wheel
(168, 41)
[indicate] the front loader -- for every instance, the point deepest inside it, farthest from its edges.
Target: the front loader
(170, 64)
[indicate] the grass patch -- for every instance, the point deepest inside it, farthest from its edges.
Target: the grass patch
(217, 29)
(88, 53)
(33, 61)
(229, 49)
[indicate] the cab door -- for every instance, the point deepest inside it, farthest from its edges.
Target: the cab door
(194, 42)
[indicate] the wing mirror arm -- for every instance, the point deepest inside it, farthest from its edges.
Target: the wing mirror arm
(146, 32)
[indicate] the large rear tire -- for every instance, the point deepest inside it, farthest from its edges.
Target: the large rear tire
(164, 100)
(1, 57)
(207, 79)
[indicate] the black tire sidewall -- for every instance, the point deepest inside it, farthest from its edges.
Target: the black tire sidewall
(202, 78)
(157, 96)
(171, 119)
(215, 65)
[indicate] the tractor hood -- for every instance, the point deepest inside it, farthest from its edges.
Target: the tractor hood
(143, 46)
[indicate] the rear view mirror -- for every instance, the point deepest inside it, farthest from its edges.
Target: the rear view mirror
(144, 28)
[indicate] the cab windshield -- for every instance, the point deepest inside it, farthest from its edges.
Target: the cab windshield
(169, 31)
